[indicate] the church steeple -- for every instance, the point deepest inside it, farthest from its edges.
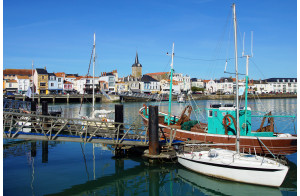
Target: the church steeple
(137, 67)
(136, 62)
(136, 58)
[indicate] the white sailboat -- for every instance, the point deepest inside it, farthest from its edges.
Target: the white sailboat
(234, 165)
(102, 114)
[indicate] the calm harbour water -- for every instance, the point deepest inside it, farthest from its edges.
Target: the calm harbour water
(66, 168)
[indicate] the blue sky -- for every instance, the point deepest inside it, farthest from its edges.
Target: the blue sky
(59, 35)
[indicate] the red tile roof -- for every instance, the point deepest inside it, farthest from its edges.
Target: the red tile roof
(22, 77)
(157, 73)
(18, 72)
(60, 74)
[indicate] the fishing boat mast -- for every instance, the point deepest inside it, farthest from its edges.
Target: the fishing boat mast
(171, 83)
(94, 71)
(247, 77)
(236, 83)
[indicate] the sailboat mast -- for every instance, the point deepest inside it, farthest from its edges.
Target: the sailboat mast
(237, 84)
(94, 72)
(32, 82)
(171, 84)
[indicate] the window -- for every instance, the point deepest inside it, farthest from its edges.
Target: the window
(52, 84)
(9, 85)
(289, 85)
(42, 84)
(210, 112)
(216, 114)
(88, 81)
(43, 77)
(59, 79)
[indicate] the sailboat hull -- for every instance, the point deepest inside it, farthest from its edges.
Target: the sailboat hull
(241, 169)
(280, 145)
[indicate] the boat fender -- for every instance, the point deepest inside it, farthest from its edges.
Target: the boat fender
(228, 120)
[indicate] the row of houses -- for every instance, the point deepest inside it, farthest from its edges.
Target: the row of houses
(227, 85)
(42, 82)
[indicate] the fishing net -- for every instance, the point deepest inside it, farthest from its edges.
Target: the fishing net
(188, 125)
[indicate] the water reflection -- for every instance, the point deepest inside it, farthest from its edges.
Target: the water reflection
(212, 186)
(69, 173)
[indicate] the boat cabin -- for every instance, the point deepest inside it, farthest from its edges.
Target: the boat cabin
(218, 115)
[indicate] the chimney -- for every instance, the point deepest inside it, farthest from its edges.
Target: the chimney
(45, 67)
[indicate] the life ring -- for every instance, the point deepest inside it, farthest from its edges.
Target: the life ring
(229, 121)
(104, 119)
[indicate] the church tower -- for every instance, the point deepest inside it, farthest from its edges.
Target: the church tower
(137, 68)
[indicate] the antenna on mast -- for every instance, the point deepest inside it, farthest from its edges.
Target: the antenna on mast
(252, 43)
(243, 45)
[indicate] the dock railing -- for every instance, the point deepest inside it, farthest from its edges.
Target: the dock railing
(18, 125)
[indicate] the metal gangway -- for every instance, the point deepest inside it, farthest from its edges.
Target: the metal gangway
(105, 94)
(32, 126)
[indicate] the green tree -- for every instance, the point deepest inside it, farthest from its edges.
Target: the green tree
(194, 89)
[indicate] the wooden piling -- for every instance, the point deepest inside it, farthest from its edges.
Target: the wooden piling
(33, 106)
(44, 108)
(119, 117)
(33, 111)
(153, 130)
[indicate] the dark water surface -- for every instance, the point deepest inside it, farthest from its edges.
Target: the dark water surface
(66, 168)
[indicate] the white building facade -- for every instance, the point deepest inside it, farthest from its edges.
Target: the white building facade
(23, 84)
